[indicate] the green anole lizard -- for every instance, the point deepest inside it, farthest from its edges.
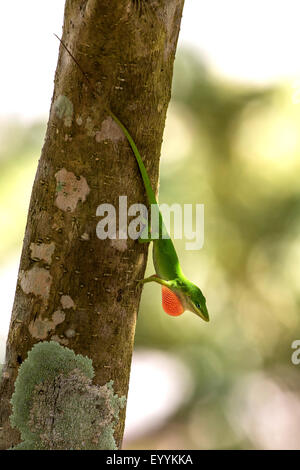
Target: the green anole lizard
(178, 293)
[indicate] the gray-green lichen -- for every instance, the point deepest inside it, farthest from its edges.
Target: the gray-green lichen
(56, 406)
(63, 109)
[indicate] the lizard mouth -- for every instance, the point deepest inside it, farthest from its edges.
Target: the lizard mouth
(202, 313)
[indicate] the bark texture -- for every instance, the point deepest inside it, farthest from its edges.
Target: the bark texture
(72, 287)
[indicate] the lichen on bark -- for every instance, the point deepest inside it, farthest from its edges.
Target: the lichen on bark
(56, 406)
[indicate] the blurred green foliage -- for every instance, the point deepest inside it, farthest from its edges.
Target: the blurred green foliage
(239, 156)
(235, 149)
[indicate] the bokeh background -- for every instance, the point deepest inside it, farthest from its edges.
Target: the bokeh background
(232, 142)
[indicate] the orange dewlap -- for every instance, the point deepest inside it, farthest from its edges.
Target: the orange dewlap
(171, 303)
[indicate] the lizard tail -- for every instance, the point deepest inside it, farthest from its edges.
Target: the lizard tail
(147, 183)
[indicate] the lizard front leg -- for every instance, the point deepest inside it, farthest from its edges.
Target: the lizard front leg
(158, 280)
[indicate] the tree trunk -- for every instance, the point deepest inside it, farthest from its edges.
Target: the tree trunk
(72, 287)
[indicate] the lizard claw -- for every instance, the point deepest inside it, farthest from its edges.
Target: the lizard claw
(138, 284)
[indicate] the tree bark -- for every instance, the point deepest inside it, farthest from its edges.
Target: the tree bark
(72, 287)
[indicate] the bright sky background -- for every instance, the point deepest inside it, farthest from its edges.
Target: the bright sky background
(249, 40)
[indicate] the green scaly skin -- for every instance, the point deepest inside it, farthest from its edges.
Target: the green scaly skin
(165, 259)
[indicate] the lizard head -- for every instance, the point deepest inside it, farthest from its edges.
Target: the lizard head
(195, 302)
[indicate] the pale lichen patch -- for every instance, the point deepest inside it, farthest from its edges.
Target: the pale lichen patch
(36, 281)
(70, 190)
(67, 302)
(41, 327)
(58, 317)
(42, 251)
(79, 120)
(70, 333)
(63, 109)
(85, 236)
(119, 244)
(109, 131)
